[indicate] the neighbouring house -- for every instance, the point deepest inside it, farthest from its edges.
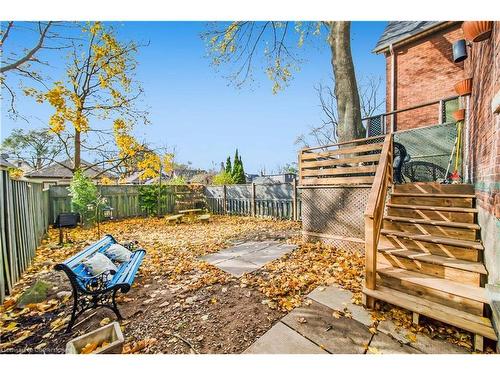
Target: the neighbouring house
(4, 163)
(274, 179)
(202, 178)
(60, 174)
(17, 163)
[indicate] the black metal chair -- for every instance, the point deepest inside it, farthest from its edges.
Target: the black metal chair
(400, 157)
(424, 171)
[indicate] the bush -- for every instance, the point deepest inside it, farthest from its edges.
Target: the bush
(83, 193)
(223, 178)
(176, 181)
(148, 197)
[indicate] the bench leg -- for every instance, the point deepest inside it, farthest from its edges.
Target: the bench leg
(88, 302)
(115, 307)
(74, 313)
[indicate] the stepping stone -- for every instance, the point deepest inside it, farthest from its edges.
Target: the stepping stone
(237, 267)
(248, 256)
(267, 255)
(281, 339)
(336, 298)
(383, 344)
(337, 336)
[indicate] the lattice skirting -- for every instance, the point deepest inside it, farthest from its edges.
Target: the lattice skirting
(335, 215)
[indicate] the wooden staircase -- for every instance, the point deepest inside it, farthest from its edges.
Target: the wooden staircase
(429, 256)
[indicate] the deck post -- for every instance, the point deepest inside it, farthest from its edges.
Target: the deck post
(254, 206)
(224, 199)
(295, 215)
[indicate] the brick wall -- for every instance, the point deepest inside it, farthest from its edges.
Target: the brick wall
(425, 71)
(483, 65)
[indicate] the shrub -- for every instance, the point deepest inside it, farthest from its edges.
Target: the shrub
(148, 197)
(223, 178)
(83, 193)
(176, 181)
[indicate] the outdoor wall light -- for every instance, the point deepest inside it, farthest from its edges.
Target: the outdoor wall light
(459, 50)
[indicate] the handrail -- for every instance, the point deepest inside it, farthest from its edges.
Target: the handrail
(417, 106)
(374, 214)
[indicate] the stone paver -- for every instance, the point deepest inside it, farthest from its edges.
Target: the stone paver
(248, 256)
(316, 325)
(383, 344)
(336, 335)
(281, 339)
(237, 267)
(338, 299)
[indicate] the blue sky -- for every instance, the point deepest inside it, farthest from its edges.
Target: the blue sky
(193, 108)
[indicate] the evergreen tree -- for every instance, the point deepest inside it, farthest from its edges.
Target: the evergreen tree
(242, 172)
(229, 168)
(238, 173)
(235, 165)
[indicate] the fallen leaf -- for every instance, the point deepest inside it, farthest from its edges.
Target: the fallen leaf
(373, 350)
(104, 322)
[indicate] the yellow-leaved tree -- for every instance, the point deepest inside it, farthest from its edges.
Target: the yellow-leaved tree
(98, 90)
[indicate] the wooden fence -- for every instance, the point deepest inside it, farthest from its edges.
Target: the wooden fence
(280, 201)
(124, 199)
(23, 222)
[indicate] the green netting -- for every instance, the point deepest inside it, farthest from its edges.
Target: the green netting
(429, 150)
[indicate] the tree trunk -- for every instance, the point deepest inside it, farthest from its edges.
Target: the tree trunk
(77, 159)
(346, 89)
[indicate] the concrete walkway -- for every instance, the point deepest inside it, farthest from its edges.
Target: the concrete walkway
(319, 328)
(248, 256)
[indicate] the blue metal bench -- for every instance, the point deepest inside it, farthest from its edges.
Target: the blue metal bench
(99, 291)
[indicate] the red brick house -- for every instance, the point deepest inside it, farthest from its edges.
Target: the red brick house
(421, 194)
(420, 69)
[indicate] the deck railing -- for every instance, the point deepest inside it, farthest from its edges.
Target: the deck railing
(378, 124)
(345, 163)
(374, 213)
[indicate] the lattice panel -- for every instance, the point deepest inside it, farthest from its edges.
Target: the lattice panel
(335, 211)
(375, 126)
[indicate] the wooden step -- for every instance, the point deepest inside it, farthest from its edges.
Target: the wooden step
(449, 251)
(465, 265)
(458, 270)
(450, 293)
(466, 231)
(455, 317)
(433, 199)
(434, 187)
(434, 208)
(473, 293)
(434, 222)
(453, 214)
(433, 195)
(434, 239)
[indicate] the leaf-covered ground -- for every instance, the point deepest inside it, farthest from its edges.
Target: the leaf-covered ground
(181, 304)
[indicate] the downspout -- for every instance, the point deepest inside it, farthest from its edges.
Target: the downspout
(393, 86)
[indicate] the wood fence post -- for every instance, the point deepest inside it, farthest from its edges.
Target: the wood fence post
(295, 215)
(224, 199)
(254, 207)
